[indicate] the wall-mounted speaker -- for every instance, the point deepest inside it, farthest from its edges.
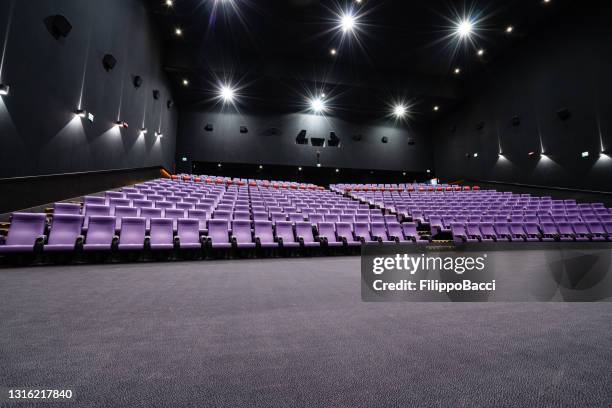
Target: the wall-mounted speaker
(301, 138)
(564, 113)
(137, 80)
(244, 129)
(480, 125)
(385, 139)
(411, 142)
(209, 127)
(169, 104)
(109, 62)
(516, 120)
(156, 94)
(334, 140)
(58, 26)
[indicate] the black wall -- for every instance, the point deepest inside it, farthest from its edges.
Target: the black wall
(40, 133)
(260, 146)
(568, 64)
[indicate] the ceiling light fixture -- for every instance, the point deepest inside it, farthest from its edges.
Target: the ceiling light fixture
(400, 111)
(465, 28)
(4, 89)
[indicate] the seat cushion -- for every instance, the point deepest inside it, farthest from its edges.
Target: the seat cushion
(131, 247)
(191, 245)
(291, 244)
(221, 245)
(58, 248)
(16, 248)
(97, 247)
(269, 244)
(246, 245)
(161, 247)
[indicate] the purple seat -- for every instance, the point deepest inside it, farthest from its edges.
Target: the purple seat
(361, 218)
(201, 216)
(142, 203)
(379, 232)
(315, 218)
(161, 234)
(549, 231)
(113, 194)
(303, 231)
(598, 233)
(132, 237)
(100, 234)
(94, 210)
(222, 215)
(566, 232)
(264, 236)
(242, 215)
(296, 217)
(517, 232)
(327, 234)
(377, 218)
(260, 216)
(135, 196)
(64, 233)
(333, 218)
(581, 231)
(502, 231)
(533, 233)
(118, 202)
(241, 234)
(344, 231)
(150, 213)
(163, 205)
(185, 206)
(395, 232)
(218, 234)
(362, 232)
(349, 218)
(174, 214)
(410, 231)
(608, 229)
(95, 200)
(459, 232)
(487, 231)
(278, 216)
(66, 208)
(188, 233)
(390, 219)
(121, 212)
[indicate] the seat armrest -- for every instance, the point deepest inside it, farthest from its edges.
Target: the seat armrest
(279, 240)
(301, 239)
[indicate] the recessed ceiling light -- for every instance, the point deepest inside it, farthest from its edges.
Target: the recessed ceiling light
(546, 1)
(457, 71)
(509, 29)
(185, 82)
(299, 169)
(347, 23)
(480, 52)
(227, 93)
(337, 170)
(436, 108)
(178, 31)
(169, 3)
(333, 51)
(358, 1)
(4, 89)
(465, 28)
(400, 111)
(317, 105)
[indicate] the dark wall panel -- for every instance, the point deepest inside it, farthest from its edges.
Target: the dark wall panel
(49, 78)
(566, 65)
(226, 144)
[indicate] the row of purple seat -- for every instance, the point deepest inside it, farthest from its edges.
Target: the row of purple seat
(444, 222)
(530, 232)
(27, 234)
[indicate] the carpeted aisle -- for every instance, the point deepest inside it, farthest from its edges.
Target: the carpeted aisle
(287, 333)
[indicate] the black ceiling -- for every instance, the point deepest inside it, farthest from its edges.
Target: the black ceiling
(279, 49)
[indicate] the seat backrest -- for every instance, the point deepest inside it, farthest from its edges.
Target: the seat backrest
(149, 213)
(188, 230)
(304, 230)
(532, 228)
(133, 230)
(66, 208)
(163, 205)
(174, 213)
(315, 218)
(345, 229)
(486, 228)
(377, 218)
(263, 230)
(199, 215)
(362, 229)
(242, 215)
(410, 229)
(65, 229)
(565, 228)
(327, 230)
(87, 200)
(596, 227)
(260, 216)
(332, 218)
(101, 229)
(96, 209)
(458, 229)
(501, 228)
(608, 227)
(378, 229)
(549, 228)
(161, 231)
(121, 212)
(284, 230)
(395, 230)
(218, 230)
(278, 216)
(222, 215)
(348, 218)
(241, 230)
(516, 228)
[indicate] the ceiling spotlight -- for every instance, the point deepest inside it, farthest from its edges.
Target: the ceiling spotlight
(318, 164)
(227, 93)
(178, 31)
(584, 155)
(81, 113)
(347, 23)
(333, 51)
(122, 124)
(546, 1)
(169, 3)
(260, 167)
(465, 28)
(299, 169)
(436, 108)
(358, 1)
(219, 165)
(428, 171)
(403, 173)
(475, 154)
(317, 105)
(185, 82)
(4, 89)
(143, 131)
(159, 135)
(480, 52)
(509, 29)
(400, 111)
(457, 71)
(337, 170)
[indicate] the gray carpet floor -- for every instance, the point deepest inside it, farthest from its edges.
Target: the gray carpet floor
(287, 333)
